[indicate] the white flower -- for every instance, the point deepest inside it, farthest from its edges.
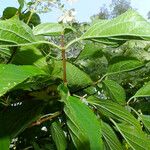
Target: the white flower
(68, 16)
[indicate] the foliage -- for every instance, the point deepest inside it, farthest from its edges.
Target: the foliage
(98, 98)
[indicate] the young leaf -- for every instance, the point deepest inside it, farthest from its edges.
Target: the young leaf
(110, 137)
(122, 64)
(15, 32)
(114, 110)
(51, 29)
(115, 91)
(58, 136)
(125, 27)
(83, 118)
(75, 76)
(136, 138)
(144, 91)
(12, 75)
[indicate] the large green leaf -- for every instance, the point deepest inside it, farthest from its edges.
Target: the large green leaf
(110, 138)
(4, 143)
(129, 25)
(51, 29)
(84, 121)
(123, 64)
(15, 32)
(75, 76)
(144, 91)
(12, 75)
(137, 139)
(15, 118)
(91, 51)
(146, 121)
(114, 110)
(115, 91)
(58, 136)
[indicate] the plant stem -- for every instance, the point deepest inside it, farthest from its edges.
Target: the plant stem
(43, 119)
(63, 53)
(32, 11)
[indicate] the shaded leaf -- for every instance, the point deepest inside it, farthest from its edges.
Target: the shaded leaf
(144, 91)
(114, 110)
(146, 121)
(9, 12)
(90, 51)
(75, 76)
(122, 64)
(136, 138)
(16, 118)
(115, 91)
(12, 75)
(58, 136)
(4, 143)
(110, 137)
(83, 118)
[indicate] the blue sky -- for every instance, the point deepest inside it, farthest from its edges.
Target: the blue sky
(84, 8)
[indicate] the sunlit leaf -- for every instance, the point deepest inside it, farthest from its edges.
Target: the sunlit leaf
(51, 29)
(127, 26)
(12, 75)
(15, 32)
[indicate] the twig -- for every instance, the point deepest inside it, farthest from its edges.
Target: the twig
(63, 59)
(43, 119)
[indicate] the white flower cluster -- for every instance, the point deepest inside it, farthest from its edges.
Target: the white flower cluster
(68, 16)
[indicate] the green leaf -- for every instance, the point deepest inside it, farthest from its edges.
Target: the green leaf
(51, 29)
(83, 118)
(137, 139)
(9, 12)
(17, 117)
(123, 64)
(110, 137)
(12, 75)
(115, 91)
(75, 76)
(146, 121)
(15, 32)
(144, 91)
(90, 51)
(4, 143)
(114, 110)
(21, 2)
(58, 136)
(127, 26)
